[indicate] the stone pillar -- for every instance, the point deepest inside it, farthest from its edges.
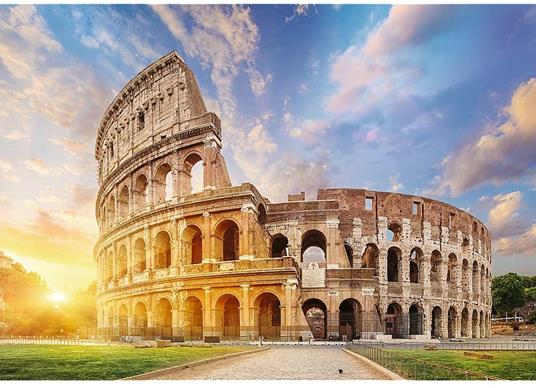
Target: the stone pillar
(130, 253)
(445, 323)
(287, 330)
(208, 313)
(382, 265)
(245, 326)
(244, 249)
(405, 266)
(333, 242)
(114, 262)
(357, 234)
(148, 249)
(208, 251)
(174, 245)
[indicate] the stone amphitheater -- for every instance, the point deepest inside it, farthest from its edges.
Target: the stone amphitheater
(208, 260)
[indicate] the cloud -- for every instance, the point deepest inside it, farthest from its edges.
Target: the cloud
(369, 75)
(310, 131)
(303, 88)
(73, 147)
(504, 217)
(501, 154)
(300, 10)
(258, 83)
(40, 167)
(6, 171)
(524, 245)
(395, 185)
(69, 95)
(259, 140)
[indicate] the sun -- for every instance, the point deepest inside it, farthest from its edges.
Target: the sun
(58, 297)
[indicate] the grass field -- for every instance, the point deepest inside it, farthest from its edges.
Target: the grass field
(507, 365)
(48, 362)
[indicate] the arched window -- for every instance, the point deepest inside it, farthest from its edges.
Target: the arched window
(349, 254)
(192, 243)
(313, 247)
(394, 256)
(162, 250)
(140, 316)
(111, 210)
(269, 315)
(466, 276)
(122, 261)
(452, 317)
(475, 277)
(139, 256)
(163, 183)
(349, 318)
(453, 267)
(228, 316)
(394, 232)
(279, 245)
(415, 260)
(162, 319)
(141, 189)
(435, 267)
(193, 168)
(393, 321)
(370, 258)
(193, 318)
(415, 320)
(261, 214)
(227, 241)
(123, 202)
(316, 314)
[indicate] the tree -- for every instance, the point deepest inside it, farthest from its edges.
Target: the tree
(507, 292)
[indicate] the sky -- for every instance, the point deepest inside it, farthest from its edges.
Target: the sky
(437, 101)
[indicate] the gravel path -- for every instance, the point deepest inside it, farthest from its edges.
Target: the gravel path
(293, 363)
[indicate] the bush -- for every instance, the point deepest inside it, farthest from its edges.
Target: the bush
(516, 325)
(532, 317)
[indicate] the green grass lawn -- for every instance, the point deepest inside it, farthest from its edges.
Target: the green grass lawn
(49, 362)
(507, 365)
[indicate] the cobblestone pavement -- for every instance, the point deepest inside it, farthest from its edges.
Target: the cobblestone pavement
(296, 363)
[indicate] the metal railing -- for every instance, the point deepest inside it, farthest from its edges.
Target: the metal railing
(472, 345)
(414, 368)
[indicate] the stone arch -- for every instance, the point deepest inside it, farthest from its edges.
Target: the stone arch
(193, 318)
(482, 325)
(452, 316)
(227, 236)
(110, 267)
(140, 262)
(415, 319)
(482, 279)
(228, 316)
(162, 250)
(193, 168)
(268, 308)
(465, 323)
(261, 214)
(452, 269)
(124, 202)
(394, 232)
(436, 266)
(163, 183)
(141, 192)
(436, 322)
(162, 318)
(111, 210)
(394, 262)
(475, 277)
(474, 323)
(140, 318)
(279, 245)
(393, 324)
(122, 261)
(415, 264)
(349, 254)
(313, 246)
(370, 258)
(350, 318)
(192, 244)
(316, 315)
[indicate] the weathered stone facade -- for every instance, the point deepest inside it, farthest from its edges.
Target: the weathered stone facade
(226, 262)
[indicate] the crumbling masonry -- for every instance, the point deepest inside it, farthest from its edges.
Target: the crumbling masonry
(226, 262)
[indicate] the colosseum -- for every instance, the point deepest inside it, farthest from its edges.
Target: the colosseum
(183, 254)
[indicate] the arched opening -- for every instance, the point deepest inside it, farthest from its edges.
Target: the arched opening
(162, 319)
(349, 254)
(370, 258)
(475, 277)
(163, 183)
(482, 279)
(162, 250)
(110, 267)
(111, 210)
(465, 323)
(111, 319)
(193, 318)
(139, 256)
(139, 323)
(123, 202)
(313, 247)
(435, 267)
(228, 316)
(415, 261)
(482, 325)
(193, 168)
(123, 320)
(141, 189)
(415, 320)
(316, 314)
(437, 316)
(474, 322)
(192, 245)
(349, 319)
(261, 211)
(394, 256)
(452, 317)
(451, 271)
(122, 261)
(394, 232)
(269, 315)
(393, 321)
(227, 241)
(466, 278)
(279, 245)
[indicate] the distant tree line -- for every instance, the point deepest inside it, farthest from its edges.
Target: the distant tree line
(29, 311)
(512, 293)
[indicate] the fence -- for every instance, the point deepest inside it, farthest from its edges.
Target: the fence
(413, 368)
(473, 345)
(52, 340)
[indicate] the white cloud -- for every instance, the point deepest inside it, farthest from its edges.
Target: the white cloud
(40, 167)
(303, 88)
(501, 154)
(6, 171)
(395, 184)
(524, 245)
(300, 10)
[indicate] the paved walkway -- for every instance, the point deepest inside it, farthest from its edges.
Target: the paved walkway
(293, 363)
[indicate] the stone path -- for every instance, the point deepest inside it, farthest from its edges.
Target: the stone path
(293, 363)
